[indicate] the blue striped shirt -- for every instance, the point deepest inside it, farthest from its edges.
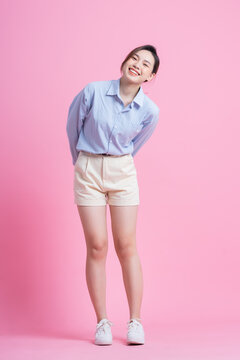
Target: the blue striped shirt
(99, 123)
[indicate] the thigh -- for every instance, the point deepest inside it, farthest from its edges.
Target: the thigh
(94, 223)
(124, 221)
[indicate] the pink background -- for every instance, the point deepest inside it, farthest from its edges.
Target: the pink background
(189, 171)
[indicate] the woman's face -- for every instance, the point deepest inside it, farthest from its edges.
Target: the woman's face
(142, 62)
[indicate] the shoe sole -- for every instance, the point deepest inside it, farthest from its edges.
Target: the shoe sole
(96, 343)
(135, 342)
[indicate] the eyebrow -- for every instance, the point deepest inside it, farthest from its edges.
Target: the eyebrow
(143, 60)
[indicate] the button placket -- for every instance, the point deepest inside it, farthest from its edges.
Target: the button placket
(115, 126)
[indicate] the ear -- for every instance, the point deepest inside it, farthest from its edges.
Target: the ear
(151, 77)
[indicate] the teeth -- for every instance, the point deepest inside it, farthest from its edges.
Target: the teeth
(134, 71)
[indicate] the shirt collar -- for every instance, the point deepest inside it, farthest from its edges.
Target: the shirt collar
(114, 90)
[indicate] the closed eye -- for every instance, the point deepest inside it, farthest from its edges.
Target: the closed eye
(136, 59)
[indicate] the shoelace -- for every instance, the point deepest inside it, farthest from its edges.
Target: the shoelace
(133, 324)
(101, 327)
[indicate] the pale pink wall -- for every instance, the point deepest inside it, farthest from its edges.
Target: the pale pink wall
(188, 226)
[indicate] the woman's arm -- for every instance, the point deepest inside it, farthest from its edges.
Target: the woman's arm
(77, 112)
(148, 128)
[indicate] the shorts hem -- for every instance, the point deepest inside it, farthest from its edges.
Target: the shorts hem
(102, 203)
(123, 203)
(90, 203)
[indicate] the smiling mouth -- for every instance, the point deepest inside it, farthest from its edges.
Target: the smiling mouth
(133, 72)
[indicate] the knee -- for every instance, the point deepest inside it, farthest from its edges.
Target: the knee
(126, 249)
(97, 249)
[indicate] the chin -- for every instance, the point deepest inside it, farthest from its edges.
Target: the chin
(132, 79)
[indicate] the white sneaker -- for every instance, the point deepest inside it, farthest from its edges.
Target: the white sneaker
(135, 334)
(103, 334)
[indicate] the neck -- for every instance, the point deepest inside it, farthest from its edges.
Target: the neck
(127, 89)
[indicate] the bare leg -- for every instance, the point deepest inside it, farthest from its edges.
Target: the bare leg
(93, 220)
(124, 234)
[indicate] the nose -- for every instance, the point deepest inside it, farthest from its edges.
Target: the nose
(136, 66)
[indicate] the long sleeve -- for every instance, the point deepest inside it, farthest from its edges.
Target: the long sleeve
(148, 128)
(76, 115)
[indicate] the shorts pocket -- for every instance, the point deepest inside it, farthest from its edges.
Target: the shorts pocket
(81, 165)
(129, 167)
(131, 157)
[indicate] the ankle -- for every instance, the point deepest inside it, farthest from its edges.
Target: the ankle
(101, 318)
(138, 319)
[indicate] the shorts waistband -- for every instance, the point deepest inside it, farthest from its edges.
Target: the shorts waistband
(103, 154)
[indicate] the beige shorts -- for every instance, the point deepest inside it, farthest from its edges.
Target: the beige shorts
(103, 179)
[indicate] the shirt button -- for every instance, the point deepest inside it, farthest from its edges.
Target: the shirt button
(110, 140)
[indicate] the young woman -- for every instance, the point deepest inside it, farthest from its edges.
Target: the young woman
(108, 122)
